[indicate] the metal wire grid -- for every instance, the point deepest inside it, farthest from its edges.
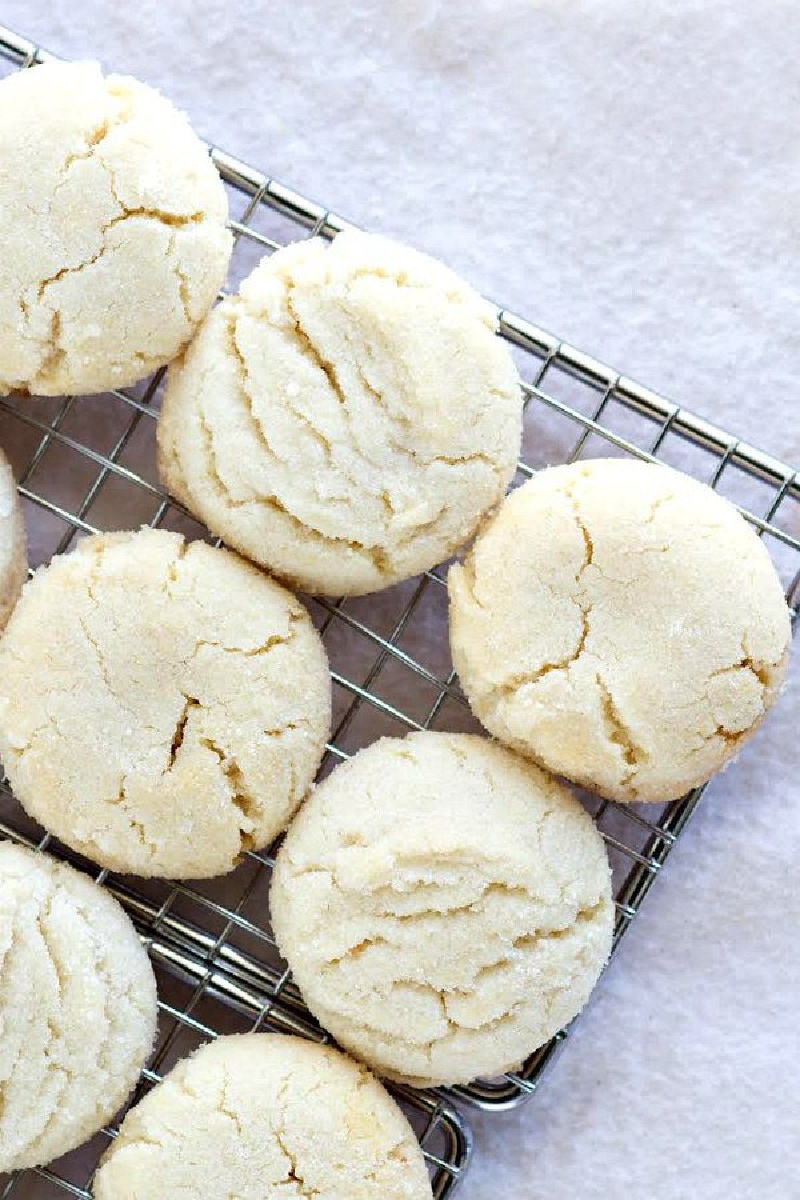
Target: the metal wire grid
(88, 464)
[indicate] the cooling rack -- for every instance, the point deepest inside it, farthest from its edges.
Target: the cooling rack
(87, 464)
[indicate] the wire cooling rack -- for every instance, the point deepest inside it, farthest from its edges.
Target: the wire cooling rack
(88, 464)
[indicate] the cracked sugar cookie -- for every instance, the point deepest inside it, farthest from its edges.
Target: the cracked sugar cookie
(347, 419)
(112, 222)
(444, 905)
(263, 1117)
(621, 624)
(13, 556)
(163, 705)
(77, 1008)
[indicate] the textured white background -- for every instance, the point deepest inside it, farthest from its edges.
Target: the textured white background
(625, 174)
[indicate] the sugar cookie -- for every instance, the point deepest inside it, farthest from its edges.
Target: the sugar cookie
(163, 705)
(265, 1117)
(77, 1008)
(444, 905)
(112, 223)
(347, 419)
(622, 624)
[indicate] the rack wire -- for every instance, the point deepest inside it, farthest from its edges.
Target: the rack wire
(89, 464)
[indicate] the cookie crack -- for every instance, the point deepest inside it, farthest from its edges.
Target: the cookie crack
(762, 672)
(464, 460)
(316, 433)
(401, 279)
(55, 1031)
(656, 505)
(730, 738)
(246, 395)
(296, 619)
(92, 140)
(312, 352)
(173, 568)
(455, 1028)
(761, 669)
(633, 754)
(189, 704)
(476, 906)
(275, 639)
(181, 277)
(510, 686)
(101, 662)
(92, 583)
(227, 1110)
(293, 1173)
(469, 579)
(54, 353)
(241, 797)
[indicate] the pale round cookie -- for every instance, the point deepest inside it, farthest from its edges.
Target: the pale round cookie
(77, 1008)
(445, 907)
(347, 419)
(112, 223)
(621, 624)
(13, 556)
(163, 705)
(264, 1116)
